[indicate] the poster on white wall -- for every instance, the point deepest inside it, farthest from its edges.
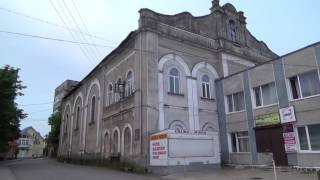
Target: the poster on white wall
(158, 149)
(287, 115)
(289, 138)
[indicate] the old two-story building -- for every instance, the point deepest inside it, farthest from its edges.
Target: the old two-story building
(30, 144)
(160, 99)
(272, 111)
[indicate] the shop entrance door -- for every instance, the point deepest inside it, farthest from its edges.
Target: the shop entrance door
(270, 139)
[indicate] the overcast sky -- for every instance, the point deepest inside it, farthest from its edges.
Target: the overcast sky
(284, 25)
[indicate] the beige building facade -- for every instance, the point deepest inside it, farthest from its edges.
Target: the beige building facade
(30, 144)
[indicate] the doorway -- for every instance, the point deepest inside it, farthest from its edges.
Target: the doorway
(270, 139)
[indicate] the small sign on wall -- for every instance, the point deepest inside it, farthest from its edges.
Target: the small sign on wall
(267, 119)
(289, 137)
(158, 149)
(287, 115)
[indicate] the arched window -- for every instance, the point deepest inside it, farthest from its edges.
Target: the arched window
(115, 142)
(205, 86)
(93, 109)
(106, 145)
(174, 84)
(232, 27)
(127, 142)
(77, 117)
(208, 127)
(177, 126)
(129, 83)
(66, 123)
(118, 90)
(110, 94)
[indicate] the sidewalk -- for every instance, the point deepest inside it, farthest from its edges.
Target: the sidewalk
(5, 173)
(243, 174)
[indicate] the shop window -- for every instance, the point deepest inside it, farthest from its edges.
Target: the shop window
(304, 85)
(240, 142)
(265, 95)
(235, 102)
(309, 137)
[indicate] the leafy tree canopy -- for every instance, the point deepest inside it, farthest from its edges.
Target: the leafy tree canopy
(53, 136)
(10, 114)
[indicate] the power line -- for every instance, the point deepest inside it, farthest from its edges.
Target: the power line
(39, 120)
(44, 110)
(134, 49)
(79, 29)
(84, 24)
(45, 103)
(61, 18)
(54, 39)
(52, 24)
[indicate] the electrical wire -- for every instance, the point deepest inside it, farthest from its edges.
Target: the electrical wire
(52, 24)
(84, 25)
(72, 19)
(134, 49)
(53, 39)
(37, 104)
(73, 37)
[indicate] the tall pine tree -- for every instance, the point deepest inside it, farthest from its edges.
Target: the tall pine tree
(10, 114)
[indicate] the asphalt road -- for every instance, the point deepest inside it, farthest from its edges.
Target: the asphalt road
(47, 169)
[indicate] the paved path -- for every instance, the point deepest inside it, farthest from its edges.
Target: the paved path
(47, 169)
(243, 174)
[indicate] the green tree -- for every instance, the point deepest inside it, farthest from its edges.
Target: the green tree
(53, 136)
(10, 114)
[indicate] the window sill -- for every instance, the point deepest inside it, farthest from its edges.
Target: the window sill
(175, 94)
(266, 106)
(308, 152)
(207, 99)
(235, 112)
(304, 98)
(125, 98)
(240, 152)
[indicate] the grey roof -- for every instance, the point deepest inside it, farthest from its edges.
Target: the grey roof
(25, 131)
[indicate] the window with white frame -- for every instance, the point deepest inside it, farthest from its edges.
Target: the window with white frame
(240, 142)
(309, 137)
(174, 81)
(304, 85)
(265, 95)
(205, 86)
(235, 102)
(129, 83)
(110, 95)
